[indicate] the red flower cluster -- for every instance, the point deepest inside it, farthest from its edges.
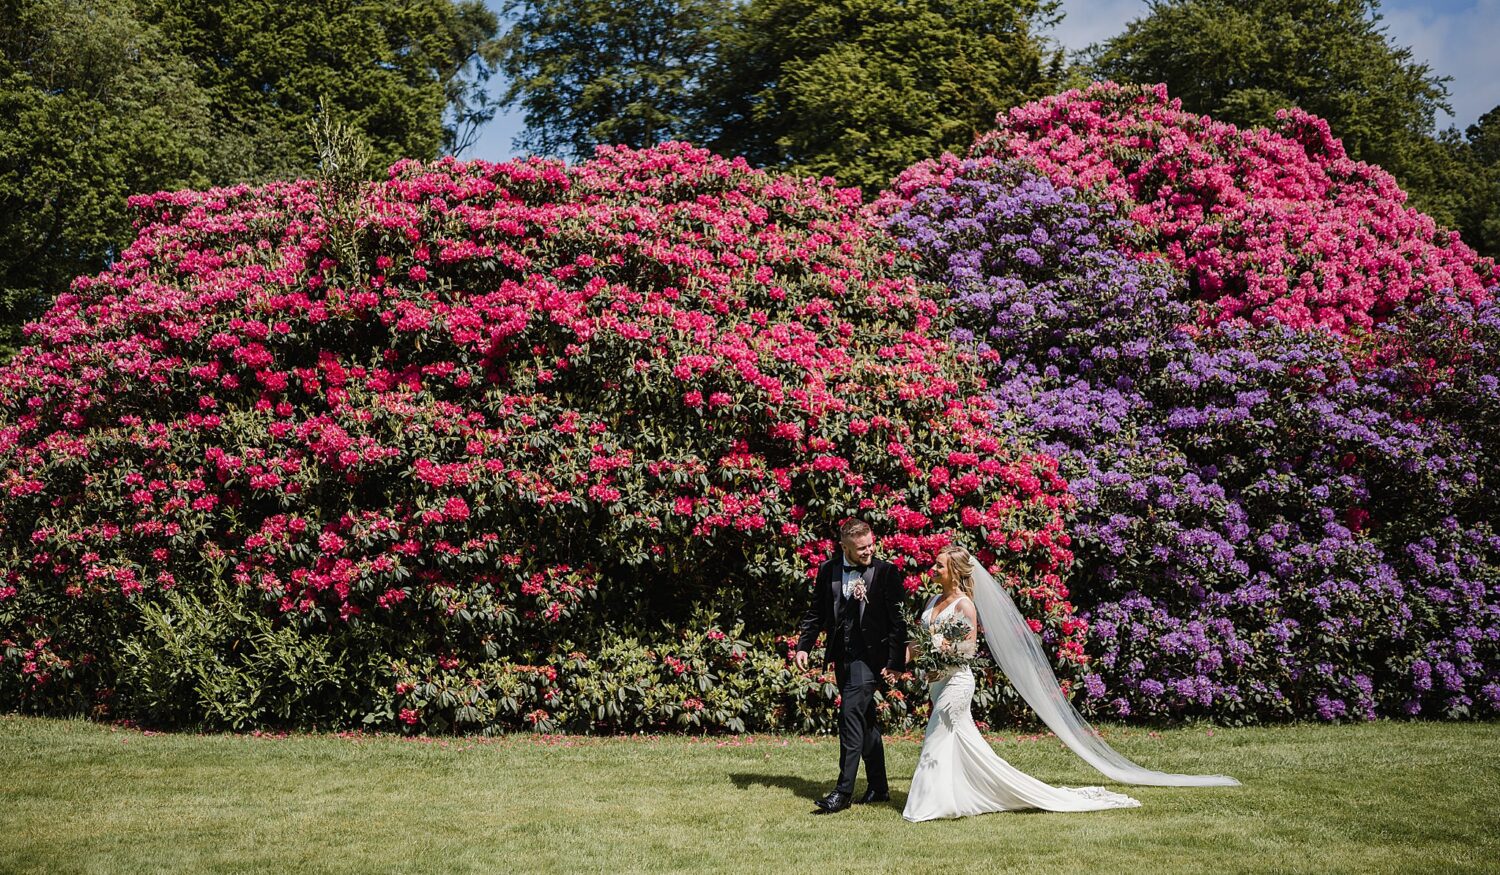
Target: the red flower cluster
(501, 393)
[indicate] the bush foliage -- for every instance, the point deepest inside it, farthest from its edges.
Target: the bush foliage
(423, 441)
(1265, 528)
(531, 445)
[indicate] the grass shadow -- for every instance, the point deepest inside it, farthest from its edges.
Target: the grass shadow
(800, 786)
(806, 789)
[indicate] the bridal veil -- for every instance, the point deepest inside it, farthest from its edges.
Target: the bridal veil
(1018, 653)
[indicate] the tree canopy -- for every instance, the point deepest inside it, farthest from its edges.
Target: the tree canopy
(1472, 181)
(594, 72)
(388, 67)
(860, 89)
(855, 89)
(95, 109)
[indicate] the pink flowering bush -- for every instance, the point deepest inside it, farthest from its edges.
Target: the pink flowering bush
(1265, 224)
(284, 463)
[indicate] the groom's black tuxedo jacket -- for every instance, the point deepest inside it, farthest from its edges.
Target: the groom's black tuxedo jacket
(881, 624)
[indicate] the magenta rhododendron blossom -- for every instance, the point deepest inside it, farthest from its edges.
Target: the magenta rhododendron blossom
(1267, 224)
(503, 413)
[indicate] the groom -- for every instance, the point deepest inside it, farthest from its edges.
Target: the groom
(857, 602)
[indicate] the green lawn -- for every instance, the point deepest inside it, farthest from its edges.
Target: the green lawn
(80, 797)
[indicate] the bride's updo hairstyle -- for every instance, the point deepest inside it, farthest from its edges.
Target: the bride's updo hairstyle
(963, 565)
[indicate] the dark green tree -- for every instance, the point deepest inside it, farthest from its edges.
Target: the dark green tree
(390, 68)
(1463, 177)
(93, 108)
(1479, 220)
(860, 89)
(592, 72)
(1241, 60)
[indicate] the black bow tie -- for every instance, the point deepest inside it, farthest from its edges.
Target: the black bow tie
(859, 568)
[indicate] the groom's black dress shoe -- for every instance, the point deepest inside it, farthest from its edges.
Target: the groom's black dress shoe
(832, 803)
(872, 796)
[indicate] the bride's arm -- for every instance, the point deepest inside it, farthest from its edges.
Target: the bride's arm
(911, 650)
(966, 607)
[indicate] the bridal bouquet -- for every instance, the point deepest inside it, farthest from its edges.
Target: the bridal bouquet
(942, 646)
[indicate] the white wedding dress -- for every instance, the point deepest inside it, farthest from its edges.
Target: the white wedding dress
(959, 774)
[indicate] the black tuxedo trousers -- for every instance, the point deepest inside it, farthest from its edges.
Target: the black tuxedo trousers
(859, 728)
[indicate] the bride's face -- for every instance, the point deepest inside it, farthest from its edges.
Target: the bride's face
(940, 570)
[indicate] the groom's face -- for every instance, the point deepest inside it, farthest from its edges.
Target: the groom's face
(860, 549)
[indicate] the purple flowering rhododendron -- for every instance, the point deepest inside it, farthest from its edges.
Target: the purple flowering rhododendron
(1264, 530)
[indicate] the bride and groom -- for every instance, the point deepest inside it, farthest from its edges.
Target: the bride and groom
(856, 605)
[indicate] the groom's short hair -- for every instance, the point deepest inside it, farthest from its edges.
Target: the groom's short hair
(853, 528)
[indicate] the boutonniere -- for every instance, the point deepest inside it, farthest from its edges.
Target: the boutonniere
(860, 591)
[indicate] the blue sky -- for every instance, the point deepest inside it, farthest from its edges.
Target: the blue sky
(1457, 38)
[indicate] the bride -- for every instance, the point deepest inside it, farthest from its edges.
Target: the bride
(958, 773)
